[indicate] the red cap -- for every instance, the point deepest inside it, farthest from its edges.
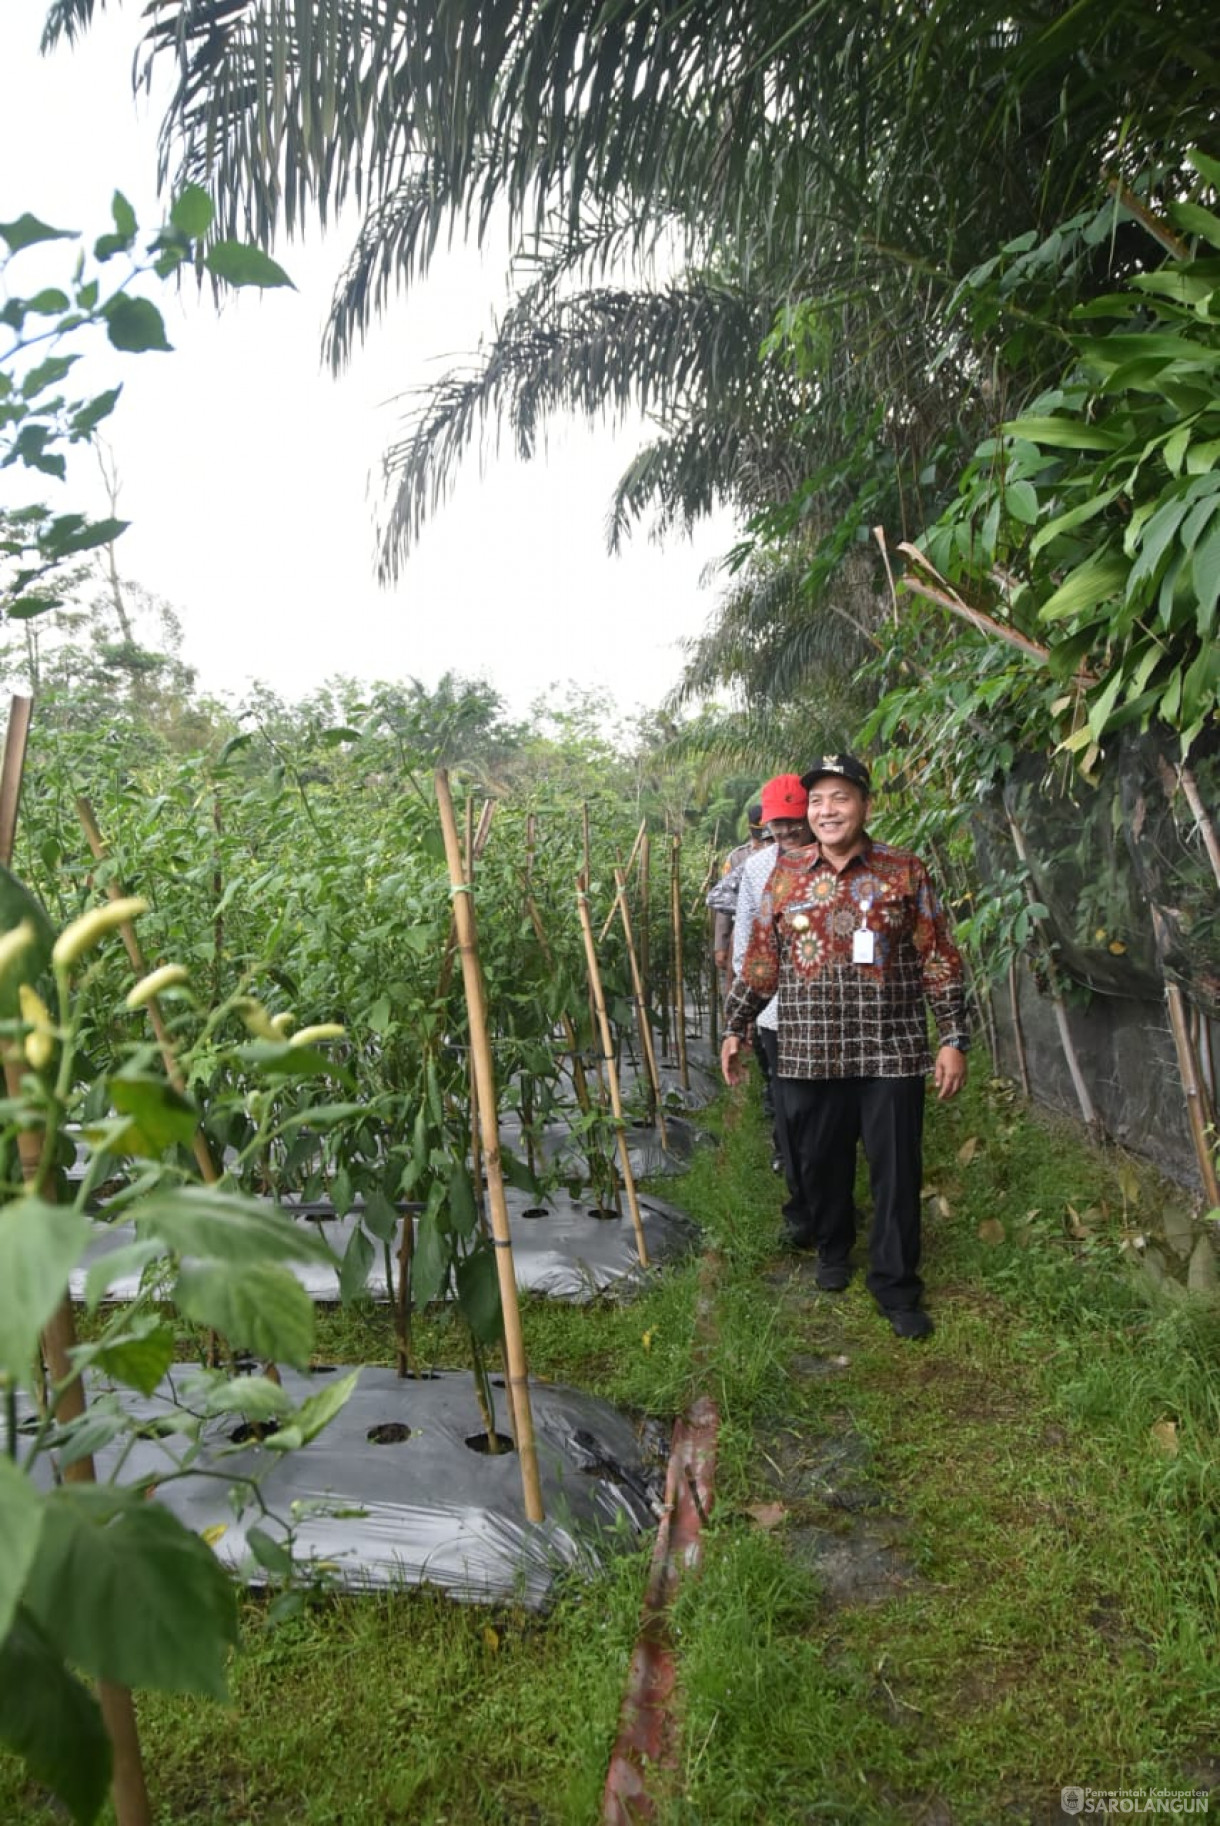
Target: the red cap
(784, 797)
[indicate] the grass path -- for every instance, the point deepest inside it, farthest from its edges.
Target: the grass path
(942, 1579)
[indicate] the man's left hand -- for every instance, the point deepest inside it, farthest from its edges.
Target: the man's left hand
(949, 1072)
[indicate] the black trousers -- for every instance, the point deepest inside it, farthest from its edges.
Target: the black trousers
(822, 1120)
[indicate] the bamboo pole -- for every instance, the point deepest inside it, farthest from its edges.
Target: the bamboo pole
(630, 864)
(517, 1378)
(713, 1003)
(1188, 1068)
(645, 913)
(656, 1113)
(1207, 830)
(585, 844)
(616, 1101)
(531, 839)
(1083, 1098)
(1018, 1032)
(21, 710)
(131, 1805)
(679, 969)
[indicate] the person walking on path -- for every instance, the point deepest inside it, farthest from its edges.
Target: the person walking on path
(784, 802)
(851, 938)
(723, 897)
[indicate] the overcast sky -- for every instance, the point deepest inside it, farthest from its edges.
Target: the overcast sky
(250, 475)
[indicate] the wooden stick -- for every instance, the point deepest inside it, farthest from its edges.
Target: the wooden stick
(713, 1003)
(130, 1790)
(1083, 1098)
(630, 864)
(679, 970)
(518, 1377)
(584, 828)
(1018, 1032)
(1188, 1068)
(531, 838)
(1207, 830)
(656, 1113)
(12, 770)
(616, 1101)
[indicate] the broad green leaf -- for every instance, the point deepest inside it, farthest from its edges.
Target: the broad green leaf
(261, 1308)
(21, 1513)
(221, 1226)
(90, 416)
(315, 1412)
(1021, 500)
(40, 1244)
(192, 212)
(1154, 542)
(1064, 433)
(1092, 582)
(124, 215)
(134, 324)
(159, 1116)
(253, 1397)
(430, 1263)
(239, 265)
(357, 1260)
(270, 1554)
(478, 1289)
(1196, 221)
(27, 230)
(86, 537)
(1205, 575)
(129, 1258)
(463, 1211)
(140, 1360)
(52, 1721)
(1075, 516)
(380, 1216)
(1206, 166)
(128, 1594)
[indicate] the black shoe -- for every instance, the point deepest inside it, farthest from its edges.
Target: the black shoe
(909, 1322)
(832, 1277)
(795, 1243)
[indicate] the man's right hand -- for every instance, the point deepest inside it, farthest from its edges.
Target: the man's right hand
(734, 1058)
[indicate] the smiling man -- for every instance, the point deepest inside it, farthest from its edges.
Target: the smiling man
(851, 938)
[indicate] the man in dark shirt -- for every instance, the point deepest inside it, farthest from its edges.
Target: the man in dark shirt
(851, 936)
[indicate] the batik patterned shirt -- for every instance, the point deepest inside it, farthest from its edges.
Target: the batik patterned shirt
(841, 1016)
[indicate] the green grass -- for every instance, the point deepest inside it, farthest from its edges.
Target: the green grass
(1046, 1465)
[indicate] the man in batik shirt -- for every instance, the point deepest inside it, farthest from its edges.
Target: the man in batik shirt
(851, 937)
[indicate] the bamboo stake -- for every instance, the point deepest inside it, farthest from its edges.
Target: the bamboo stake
(129, 1788)
(584, 829)
(679, 971)
(21, 710)
(1188, 1069)
(1083, 1098)
(655, 1113)
(1018, 1032)
(645, 913)
(713, 1002)
(1207, 830)
(517, 1378)
(630, 864)
(616, 1101)
(531, 837)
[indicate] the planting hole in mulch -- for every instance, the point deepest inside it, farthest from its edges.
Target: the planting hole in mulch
(388, 1433)
(323, 1369)
(251, 1431)
(535, 1211)
(479, 1442)
(423, 1375)
(602, 1214)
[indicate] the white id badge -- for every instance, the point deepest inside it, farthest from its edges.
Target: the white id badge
(863, 946)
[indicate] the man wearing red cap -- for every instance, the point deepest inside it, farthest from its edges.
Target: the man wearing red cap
(851, 939)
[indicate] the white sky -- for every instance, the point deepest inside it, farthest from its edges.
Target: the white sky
(250, 475)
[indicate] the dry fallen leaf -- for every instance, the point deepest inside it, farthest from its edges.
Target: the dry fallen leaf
(991, 1230)
(943, 1208)
(1165, 1437)
(766, 1515)
(968, 1150)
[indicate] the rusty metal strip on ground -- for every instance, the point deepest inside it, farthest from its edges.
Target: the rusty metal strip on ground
(647, 1742)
